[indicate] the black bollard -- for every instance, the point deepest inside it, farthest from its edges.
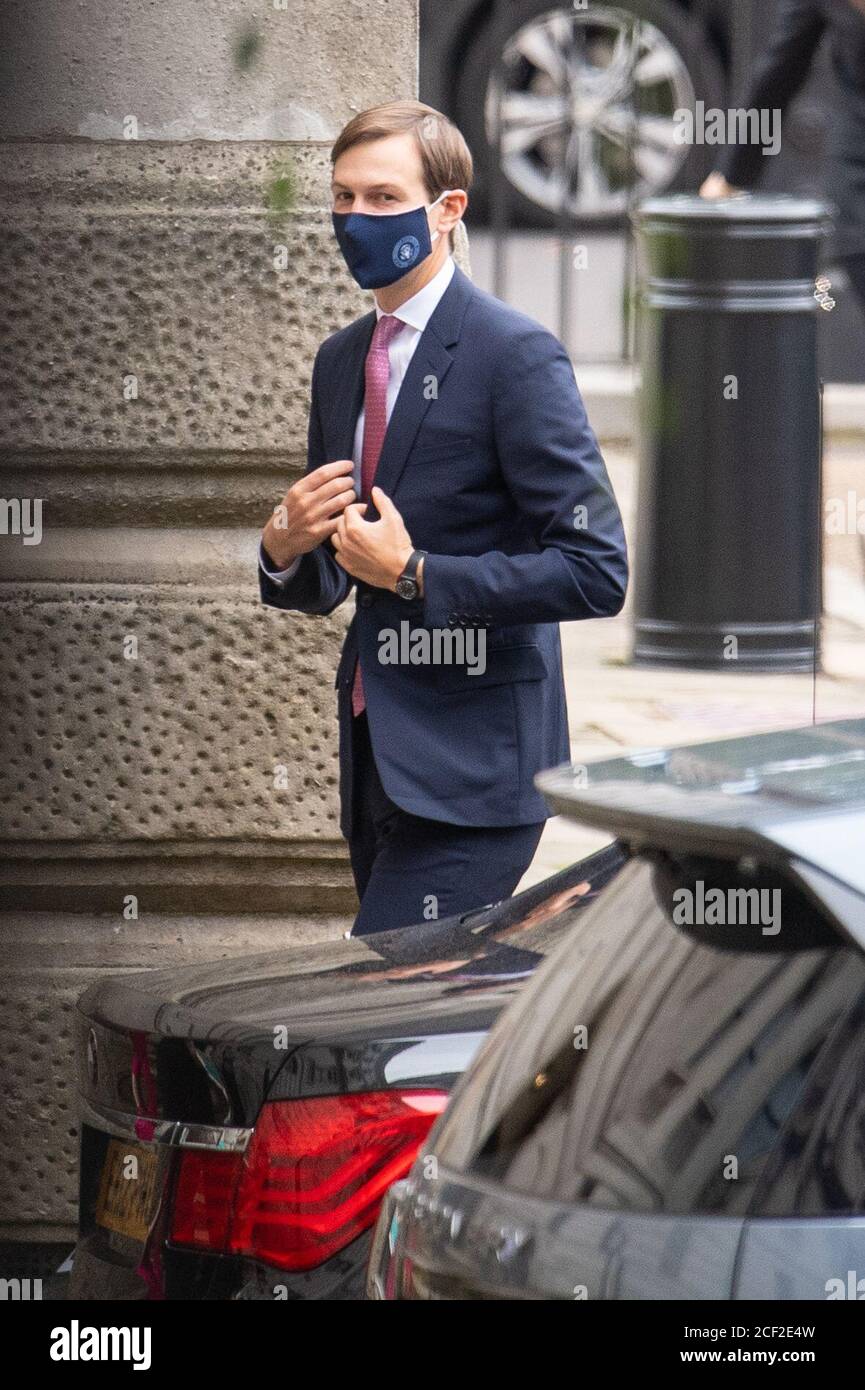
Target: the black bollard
(728, 549)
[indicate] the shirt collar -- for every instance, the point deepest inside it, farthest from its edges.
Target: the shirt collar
(418, 310)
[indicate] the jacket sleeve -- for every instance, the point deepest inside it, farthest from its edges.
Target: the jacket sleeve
(319, 584)
(778, 76)
(281, 576)
(554, 470)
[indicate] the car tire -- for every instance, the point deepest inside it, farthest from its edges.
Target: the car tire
(677, 30)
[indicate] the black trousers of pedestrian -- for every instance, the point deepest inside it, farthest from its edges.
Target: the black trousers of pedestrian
(408, 870)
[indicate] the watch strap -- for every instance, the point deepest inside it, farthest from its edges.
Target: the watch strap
(411, 564)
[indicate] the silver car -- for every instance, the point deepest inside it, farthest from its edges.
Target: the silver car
(674, 1106)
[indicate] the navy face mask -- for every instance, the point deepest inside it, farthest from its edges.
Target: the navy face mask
(380, 248)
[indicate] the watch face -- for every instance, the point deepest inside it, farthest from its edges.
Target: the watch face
(406, 588)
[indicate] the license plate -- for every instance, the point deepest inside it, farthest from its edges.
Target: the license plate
(127, 1189)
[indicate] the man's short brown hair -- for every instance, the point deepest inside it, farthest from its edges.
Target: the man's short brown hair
(445, 158)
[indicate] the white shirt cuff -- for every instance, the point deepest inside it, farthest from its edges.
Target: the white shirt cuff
(278, 576)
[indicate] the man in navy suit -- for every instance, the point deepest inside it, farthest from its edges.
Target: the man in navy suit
(453, 481)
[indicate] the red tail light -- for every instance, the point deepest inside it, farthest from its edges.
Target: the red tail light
(203, 1198)
(311, 1180)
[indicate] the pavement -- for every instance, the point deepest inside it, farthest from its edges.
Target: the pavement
(615, 707)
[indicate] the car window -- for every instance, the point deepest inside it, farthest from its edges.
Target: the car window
(818, 1166)
(642, 1070)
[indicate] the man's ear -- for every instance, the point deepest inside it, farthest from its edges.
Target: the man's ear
(453, 231)
(465, 195)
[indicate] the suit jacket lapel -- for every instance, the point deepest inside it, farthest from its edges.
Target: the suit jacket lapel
(427, 370)
(348, 389)
(423, 380)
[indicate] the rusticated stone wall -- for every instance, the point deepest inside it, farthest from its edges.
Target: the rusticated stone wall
(168, 779)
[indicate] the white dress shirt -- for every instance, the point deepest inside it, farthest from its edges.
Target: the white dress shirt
(415, 313)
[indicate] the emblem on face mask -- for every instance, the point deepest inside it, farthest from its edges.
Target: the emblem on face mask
(406, 251)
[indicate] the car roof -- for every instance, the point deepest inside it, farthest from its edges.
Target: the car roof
(789, 794)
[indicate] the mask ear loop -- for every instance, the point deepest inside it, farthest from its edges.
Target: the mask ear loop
(430, 207)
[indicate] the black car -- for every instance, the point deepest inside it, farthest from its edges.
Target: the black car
(603, 82)
(674, 1108)
(241, 1121)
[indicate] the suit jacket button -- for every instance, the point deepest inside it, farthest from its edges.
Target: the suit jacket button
(452, 618)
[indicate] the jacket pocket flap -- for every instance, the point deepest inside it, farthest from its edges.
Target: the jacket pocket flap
(503, 666)
(443, 447)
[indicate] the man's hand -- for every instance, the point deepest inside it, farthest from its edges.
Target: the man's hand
(309, 512)
(373, 551)
(716, 186)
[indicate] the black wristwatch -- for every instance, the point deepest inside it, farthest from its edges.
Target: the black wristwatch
(407, 585)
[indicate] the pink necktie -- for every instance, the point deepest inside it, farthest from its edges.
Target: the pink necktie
(377, 372)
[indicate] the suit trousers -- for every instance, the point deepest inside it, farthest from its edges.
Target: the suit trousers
(408, 870)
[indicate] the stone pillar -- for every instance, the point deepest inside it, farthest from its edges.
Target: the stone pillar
(169, 770)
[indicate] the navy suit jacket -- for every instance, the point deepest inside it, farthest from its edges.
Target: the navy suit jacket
(492, 463)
